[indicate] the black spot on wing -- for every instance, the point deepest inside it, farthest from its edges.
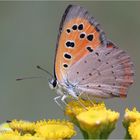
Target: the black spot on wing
(112, 72)
(65, 65)
(80, 27)
(97, 53)
(74, 27)
(68, 56)
(82, 35)
(70, 44)
(90, 37)
(107, 63)
(89, 49)
(68, 30)
(85, 61)
(90, 74)
(107, 53)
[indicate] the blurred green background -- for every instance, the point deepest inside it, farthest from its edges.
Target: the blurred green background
(28, 32)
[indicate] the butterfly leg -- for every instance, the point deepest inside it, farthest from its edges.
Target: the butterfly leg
(82, 104)
(63, 99)
(80, 94)
(55, 100)
(92, 103)
(88, 98)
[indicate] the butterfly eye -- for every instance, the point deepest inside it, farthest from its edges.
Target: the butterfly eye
(53, 83)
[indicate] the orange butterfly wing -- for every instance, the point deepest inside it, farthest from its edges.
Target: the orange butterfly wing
(79, 35)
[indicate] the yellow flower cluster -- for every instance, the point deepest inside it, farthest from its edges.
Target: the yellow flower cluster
(134, 130)
(92, 118)
(55, 129)
(4, 127)
(131, 116)
(76, 107)
(41, 130)
(15, 135)
(132, 123)
(23, 126)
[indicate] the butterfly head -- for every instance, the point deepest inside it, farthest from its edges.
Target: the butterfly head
(53, 83)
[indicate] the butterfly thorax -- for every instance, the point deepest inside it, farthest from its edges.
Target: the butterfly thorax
(65, 88)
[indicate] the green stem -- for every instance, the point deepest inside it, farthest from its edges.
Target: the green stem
(127, 135)
(126, 126)
(107, 131)
(93, 136)
(84, 133)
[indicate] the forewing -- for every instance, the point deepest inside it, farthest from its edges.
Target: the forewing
(79, 33)
(105, 72)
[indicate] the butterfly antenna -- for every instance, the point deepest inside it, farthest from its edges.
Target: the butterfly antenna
(44, 70)
(31, 77)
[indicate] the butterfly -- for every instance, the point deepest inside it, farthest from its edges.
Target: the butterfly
(86, 63)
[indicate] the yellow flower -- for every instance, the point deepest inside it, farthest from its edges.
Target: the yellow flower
(93, 119)
(40, 130)
(75, 107)
(9, 135)
(30, 137)
(14, 135)
(5, 127)
(98, 123)
(134, 130)
(55, 129)
(22, 126)
(130, 117)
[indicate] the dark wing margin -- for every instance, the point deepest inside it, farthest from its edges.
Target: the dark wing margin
(60, 30)
(73, 11)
